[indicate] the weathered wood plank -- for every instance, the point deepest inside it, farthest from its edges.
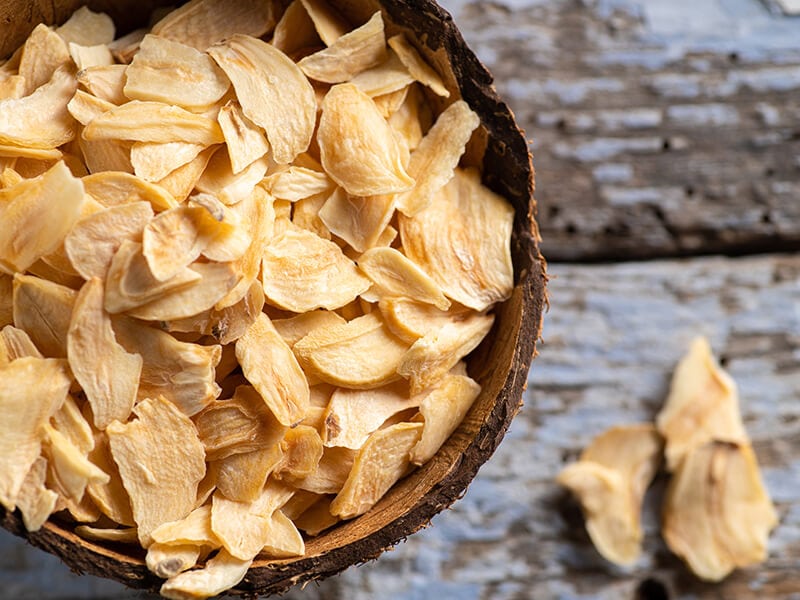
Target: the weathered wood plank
(611, 341)
(659, 128)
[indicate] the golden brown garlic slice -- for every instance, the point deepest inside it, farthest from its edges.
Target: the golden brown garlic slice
(161, 461)
(121, 535)
(165, 561)
(358, 148)
(461, 240)
(35, 389)
(242, 477)
(416, 65)
(610, 480)
(201, 23)
(164, 70)
(87, 28)
(360, 354)
(37, 215)
(43, 310)
(105, 82)
(359, 221)
(245, 141)
(153, 161)
(43, 53)
(303, 272)
(35, 502)
(117, 188)
(273, 92)
(393, 275)
(330, 25)
(380, 463)
(70, 466)
(331, 473)
(301, 451)
(702, 406)
(717, 514)
(388, 78)
(150, 121)
(352, 415)
(219, 574)
(352, 53)
(270, 366)
(430, 358)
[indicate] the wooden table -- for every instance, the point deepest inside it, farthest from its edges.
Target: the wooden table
(662, 129)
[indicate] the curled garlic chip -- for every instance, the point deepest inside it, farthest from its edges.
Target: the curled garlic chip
(246, 141)
(201, 23)
(703, 406)
(717, 513)
(357, 147)
(442, 409)
(161, 461)
(355, 51)
(433, 162)
(360, 354)
(610, 480)
(220, 574)
(21, 122)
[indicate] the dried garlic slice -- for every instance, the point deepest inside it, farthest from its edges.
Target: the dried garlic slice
(43, 53)
(238, 425)
(182, 181)
(167, 561)
(387, 77)
(130, 282)
(167, 71)
(87, 28)
(702, 406)
(201, 23)
(111, 497)
(433, 355)
(416, 65)
(610, 480)
(15, 343)
(273, 91)
(93, 241)
(123, 535)
(360, 354)
(285, 541)
(153, 161)
(432, 164)
(43, 310)
(37, 214)
(241, 477)
(443, 409)
(105, 82)
(462, 241)
(358, 220)
(380, 463)
(270, 366)
(108, 374)
(354, 52)
(358, 149)
(331, 473)
(352, 415)
(220, 574)
(297, 183)
(301, 450)
(317, 518)
(70, 421)
(71, 467)
(294, 329)
(91, 56)
(192, 530)
(181, 372)
(330, 25)
(35, 501)
(295, 30)
(297, 261)
(35, 389)
(116, 188)
(246, 142)
(717, 513)
(161, 461)
(219, 181)
(244, 528)
(394, 275)
(410, 320)
(153, 122)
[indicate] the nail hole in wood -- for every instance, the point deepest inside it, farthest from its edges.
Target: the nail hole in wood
(689, 191)
(666, 145)
(733, 57)
(571, 229)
